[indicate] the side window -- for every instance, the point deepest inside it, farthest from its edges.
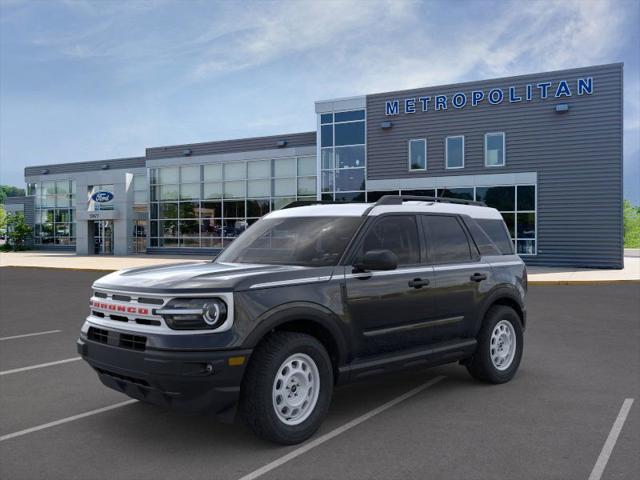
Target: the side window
(396, 233)
(497, 231)
(449, 243)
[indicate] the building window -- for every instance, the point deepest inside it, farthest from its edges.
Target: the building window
(343, 155)
(208, 206)
(517, 204)
(418, 154)
(454, 152)
(54, 212)
(494, 150)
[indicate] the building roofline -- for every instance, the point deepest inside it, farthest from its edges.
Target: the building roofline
(92, 165)
(282, 140)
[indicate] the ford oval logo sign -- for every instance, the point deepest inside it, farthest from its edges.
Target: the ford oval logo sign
(102, 197)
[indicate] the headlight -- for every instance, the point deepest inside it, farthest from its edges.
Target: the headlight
(194, 313)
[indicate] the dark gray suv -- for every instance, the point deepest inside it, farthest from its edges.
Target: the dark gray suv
(310, 297)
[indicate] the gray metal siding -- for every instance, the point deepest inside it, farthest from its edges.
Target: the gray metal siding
(230, 146)
(96, 165)
(577, 156)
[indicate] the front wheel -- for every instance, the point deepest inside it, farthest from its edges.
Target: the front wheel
(499, 349)
(287, 388)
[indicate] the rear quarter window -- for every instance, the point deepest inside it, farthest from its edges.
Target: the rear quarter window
(496, 230)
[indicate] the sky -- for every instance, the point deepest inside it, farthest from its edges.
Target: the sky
(88, 80)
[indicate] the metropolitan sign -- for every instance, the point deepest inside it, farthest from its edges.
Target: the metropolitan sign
(494, 96)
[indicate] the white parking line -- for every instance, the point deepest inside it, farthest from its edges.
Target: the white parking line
(29, 335)
(601, 463)
(334, 433)
(66, 420)
(40, 365)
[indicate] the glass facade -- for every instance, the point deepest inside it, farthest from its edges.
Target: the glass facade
(343, 156)
(208, 206)
(516, 204)
(54, 212)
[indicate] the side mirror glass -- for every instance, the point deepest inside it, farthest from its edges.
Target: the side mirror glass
(378, 260)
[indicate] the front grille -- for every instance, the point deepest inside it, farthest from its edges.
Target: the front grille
(98, 335)
(121, 298)
(146, 321)
(133, 342)
(127, 308)
(150, 301)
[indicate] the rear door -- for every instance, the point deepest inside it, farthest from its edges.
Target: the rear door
(389, 309)
(461, 279)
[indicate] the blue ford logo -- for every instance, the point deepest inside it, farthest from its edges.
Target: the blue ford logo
(102, 197)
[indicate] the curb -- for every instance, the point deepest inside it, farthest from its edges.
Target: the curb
(632, 281)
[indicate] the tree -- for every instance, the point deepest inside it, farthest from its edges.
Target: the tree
(3, 218)
(17, 231)
(631, 225)
(10, 191)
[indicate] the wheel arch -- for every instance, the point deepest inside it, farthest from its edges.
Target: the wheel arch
(312, 319)
(506, 297)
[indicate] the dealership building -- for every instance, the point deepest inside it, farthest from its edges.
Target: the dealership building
(544, 149)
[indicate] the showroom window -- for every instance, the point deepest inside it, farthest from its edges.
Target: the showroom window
(494, 150)
(517, 205)
(208, 206)
(454, 152)
(54, 222)
(343, 155)
(418, 154)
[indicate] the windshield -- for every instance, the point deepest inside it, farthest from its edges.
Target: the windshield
(305, 241)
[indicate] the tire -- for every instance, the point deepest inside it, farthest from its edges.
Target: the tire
(491, 361)
(299, 362)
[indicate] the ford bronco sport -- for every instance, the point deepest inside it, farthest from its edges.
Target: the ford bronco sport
(309, 297)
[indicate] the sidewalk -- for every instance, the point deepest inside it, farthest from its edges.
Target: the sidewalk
(69, 260)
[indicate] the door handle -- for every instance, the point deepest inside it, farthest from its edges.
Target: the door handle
(418, 283)
(478, 277)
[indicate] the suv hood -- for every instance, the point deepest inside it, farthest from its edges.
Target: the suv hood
(202, 276)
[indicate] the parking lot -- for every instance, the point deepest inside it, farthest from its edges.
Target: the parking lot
(581, 361)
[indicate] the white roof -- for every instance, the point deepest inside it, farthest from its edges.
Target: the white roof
(358, 209)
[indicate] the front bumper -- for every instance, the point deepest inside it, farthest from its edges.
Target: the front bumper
(182, 379)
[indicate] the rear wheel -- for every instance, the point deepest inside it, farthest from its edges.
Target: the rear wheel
(287, 388)
(499, 349)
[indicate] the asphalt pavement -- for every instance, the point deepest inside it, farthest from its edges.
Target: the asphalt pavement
(553, 421)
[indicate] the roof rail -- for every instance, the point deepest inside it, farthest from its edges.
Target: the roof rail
(306, 203)
(399, 199)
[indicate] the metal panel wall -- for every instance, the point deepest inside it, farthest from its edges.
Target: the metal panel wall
(96, 165)
(231, 146)
(577, 155)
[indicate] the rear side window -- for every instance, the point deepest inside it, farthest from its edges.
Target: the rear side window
(497, 232)
(484, 243)
(396, 233)
(449, 243)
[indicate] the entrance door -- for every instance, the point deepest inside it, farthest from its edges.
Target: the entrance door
(103, 237)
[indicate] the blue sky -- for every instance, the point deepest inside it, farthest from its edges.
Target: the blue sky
(87, 80)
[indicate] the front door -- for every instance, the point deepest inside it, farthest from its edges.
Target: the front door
(389, 310)
(103, 237)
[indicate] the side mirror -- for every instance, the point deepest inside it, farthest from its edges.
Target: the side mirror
(378, 260)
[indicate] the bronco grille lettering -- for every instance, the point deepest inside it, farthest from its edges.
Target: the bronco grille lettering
(118, 308)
